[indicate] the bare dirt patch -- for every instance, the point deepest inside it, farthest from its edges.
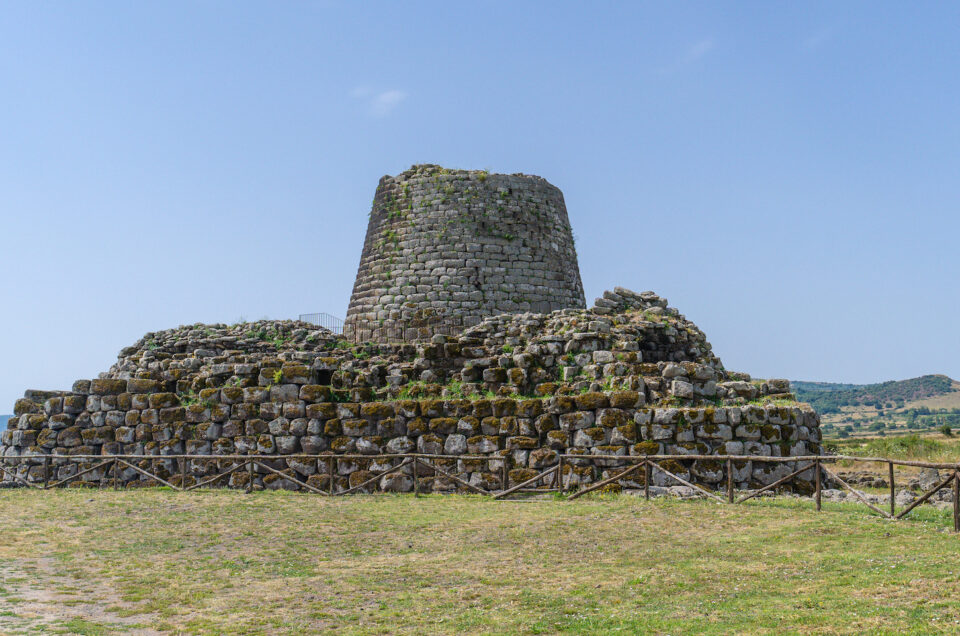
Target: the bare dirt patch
(35, 598)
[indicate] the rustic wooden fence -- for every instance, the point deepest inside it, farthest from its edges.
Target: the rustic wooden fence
(546, 481)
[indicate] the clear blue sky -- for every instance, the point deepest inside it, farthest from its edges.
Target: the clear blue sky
(785, 174)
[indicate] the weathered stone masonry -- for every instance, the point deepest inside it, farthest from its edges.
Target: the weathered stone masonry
(630, 376)
(445, 248)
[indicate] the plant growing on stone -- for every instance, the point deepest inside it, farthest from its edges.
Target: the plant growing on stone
(411, 390)
(188, 399)
(455, 389)
(259, 334)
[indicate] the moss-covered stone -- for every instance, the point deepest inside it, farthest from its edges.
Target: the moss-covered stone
(624, 399)
(376, 410)
(163, 400)
(342, 444)
(529, 408)
(482, 409)
(545, 423)
(431, 408)
(592, 401)
(332, 427)
(139, 385)
(312, 393)
(417, 426)
(468, 425)
(509, 426)
(104, 386)
(770, 433)
(520, 475)
(558, 439)
(612, 418)
(645, 448)
(521, 442)
(24, 406)
(231, 394)
(626, 434)
(443, 425)
(321, 411)
(561, 404)
(503, 407)
(173, 414)
(546, 388)
(295, 373)
(482, 444)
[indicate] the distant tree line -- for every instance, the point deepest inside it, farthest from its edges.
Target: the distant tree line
(830, 398)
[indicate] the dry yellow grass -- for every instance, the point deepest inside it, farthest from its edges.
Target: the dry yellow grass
(221, 561)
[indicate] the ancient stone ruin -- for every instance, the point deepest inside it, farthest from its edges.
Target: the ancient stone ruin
(506, 395)
(446, 248)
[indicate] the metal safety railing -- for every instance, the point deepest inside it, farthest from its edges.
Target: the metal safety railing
(325, 320)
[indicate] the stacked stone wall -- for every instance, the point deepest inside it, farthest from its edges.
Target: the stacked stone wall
(630, 376)
(110, 416)
(446, 248)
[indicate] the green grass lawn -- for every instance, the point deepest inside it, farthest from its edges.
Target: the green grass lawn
(932, 447)
(82, 561)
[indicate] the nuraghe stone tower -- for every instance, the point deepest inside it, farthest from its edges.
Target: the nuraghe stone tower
(446, 248)
(473, 347)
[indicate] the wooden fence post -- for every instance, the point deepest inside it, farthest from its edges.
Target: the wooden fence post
(183, 472)
(503, 474)
(559, 474)
(646, 479)
(729, 481)
(330, 472)
(46, 471)
(893, 502)
(956, 501)
(249, 476)
(817, 479)
(416, 478)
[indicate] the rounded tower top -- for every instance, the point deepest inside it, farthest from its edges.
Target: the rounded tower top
(445, 248)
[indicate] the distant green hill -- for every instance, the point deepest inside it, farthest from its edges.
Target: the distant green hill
(828, 397)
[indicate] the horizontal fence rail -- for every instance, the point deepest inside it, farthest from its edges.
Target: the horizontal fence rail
(107, 469)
